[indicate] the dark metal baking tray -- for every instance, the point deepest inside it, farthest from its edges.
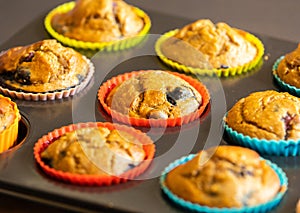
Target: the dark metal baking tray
(20, 176)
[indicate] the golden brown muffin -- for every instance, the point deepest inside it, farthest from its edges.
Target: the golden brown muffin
(203, 44)
(266, 115)
(43, 66)
(98, 21)
(94, 150)
(289, 68)
(7, 113)
(226, 176)
(154, 94)
(298, 207)
(9, 123)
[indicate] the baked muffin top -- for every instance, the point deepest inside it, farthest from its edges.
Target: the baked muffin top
(98, 21)
(266, 115)
(94, 150)
(288, 69)
(43, 66)
(7, 113)
(298, 207)
(203, 44)
(226, 176)
(154, 94)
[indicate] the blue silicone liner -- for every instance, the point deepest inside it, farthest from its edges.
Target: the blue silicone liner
(199, 208)
(284, 86)
(263, 146)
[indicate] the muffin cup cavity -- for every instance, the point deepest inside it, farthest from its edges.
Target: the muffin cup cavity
(94, 180)
(284, 86)
(222, 72)
(23, 131)
(56, 95)
(200, 208)
(107, 46)
(106, 87)
(266, 147)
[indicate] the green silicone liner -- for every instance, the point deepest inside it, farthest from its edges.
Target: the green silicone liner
(107, 46)
(212, 72)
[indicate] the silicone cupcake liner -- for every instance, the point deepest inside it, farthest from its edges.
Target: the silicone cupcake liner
(94, 180)
(9, 135)
(267, 147)
(284, 86)
(200, 208)
(170, 122)
(211, 72)
(45, 96)
(108, 46)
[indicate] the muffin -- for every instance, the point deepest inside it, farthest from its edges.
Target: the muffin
(269, 120)
(286, 71)
(9, 123)
(94, 153)
(298, 207)
(90, 23)
(153, 95)
(43, 67)
(215, 47)
(224, 178)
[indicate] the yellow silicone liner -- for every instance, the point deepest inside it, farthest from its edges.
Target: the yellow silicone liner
(108, 46)
(218, 72)
(9, 136)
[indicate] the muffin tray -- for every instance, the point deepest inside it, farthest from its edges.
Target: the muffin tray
(20, 175)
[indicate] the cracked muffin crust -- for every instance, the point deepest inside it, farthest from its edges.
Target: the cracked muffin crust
(94, 150)
(289, 68)
(203, 44)
(224, 176)
(154, 94)
(98, 21)
(44, 66)
(266, 115)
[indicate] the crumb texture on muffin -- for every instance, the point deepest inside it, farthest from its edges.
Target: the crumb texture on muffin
(226, 176)
(203, 44)
(154, 94)
(94, 150)
(43, 66)
(98, 21)
(7, 113)
(289, 68)
(266, 115)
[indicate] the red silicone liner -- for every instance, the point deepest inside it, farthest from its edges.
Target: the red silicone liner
(94, 180)
(170, 122)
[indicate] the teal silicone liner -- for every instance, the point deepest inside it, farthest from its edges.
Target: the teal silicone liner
(263, 146)
(284, 86)
(199, 208)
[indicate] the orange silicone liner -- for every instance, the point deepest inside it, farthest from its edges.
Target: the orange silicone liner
(94, 180)
(170, 122)
(232, 71)
(107, 46)
(45, 96)
(9, 136)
